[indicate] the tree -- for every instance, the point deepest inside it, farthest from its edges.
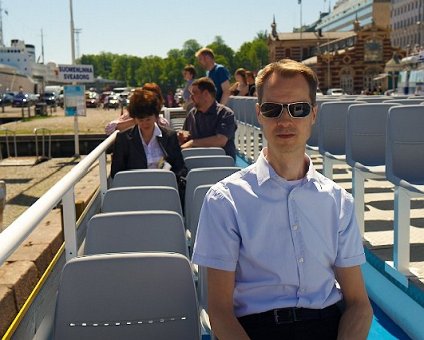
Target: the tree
(167, 72)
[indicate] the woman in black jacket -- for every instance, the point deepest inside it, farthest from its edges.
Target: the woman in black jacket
(147, 145)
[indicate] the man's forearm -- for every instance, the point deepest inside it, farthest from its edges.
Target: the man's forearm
(355, 322)
(212, 141)
(227, 327)
(225, 97)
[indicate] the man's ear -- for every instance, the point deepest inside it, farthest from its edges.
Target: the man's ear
(258, 113)
(314, 113)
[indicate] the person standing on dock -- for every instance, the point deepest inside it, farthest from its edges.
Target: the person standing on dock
(280, 241)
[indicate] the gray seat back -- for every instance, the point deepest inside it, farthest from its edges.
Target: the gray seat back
(151, 230)
(313, 139)
(144, 177)
(127, 296)
(202, 151)
(201, 176)
(366, 133)
(194, 162)
(405, 101)
(142, 198)
(198, 197)
(405, 145)
(332, 127)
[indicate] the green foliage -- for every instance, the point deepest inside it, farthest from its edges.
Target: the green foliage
(167, 72)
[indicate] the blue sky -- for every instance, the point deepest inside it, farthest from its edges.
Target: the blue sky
(146, 27)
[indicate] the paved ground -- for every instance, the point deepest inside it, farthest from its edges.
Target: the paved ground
(94, 121)
(26, 182)
(379, 196)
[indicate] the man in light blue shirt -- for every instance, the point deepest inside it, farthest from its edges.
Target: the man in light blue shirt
(276, 235)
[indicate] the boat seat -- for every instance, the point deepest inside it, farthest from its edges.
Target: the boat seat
(127, 296)
(142, 198)
(144, 177)
(119, 232)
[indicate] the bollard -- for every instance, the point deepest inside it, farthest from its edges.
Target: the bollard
(2, 202)
(29, 111)
(23, 113)
(2, 106)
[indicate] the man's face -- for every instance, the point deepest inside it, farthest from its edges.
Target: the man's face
(286, 134)
(197, 96)
(186, 75)
(202, 59)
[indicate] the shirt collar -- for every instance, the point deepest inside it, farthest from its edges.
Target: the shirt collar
(211, 110)
(266, 172)
(157, 132)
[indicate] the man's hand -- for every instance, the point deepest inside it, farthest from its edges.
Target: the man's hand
(188, 144)
(183, 136)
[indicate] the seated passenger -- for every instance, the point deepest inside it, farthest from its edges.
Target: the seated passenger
(208, 124)
(240, 87)
(125, 121)
(147, 145)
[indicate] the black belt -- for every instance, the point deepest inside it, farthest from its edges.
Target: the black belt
(293, 314)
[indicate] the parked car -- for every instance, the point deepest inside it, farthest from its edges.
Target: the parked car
(113, 101)
(21, 99)
(50, 98)
(92, 99)
(6, 99)
(335, 92)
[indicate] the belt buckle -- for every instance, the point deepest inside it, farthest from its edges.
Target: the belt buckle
(290, 316)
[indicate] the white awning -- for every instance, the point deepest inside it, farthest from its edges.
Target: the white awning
(381, 76)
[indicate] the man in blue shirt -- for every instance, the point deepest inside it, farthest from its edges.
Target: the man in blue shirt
(208, 124)
(217, 72)
(277, 235)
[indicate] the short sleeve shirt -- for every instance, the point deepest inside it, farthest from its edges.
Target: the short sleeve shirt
(218, 74)
(281, 239)
(218, 119)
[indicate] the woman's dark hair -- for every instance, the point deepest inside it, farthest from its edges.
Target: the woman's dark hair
(154, 88)
(143, 104)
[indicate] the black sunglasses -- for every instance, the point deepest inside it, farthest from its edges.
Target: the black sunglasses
(295, 110)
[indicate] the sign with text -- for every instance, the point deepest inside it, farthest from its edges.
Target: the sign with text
(75, 73)
(74, 98)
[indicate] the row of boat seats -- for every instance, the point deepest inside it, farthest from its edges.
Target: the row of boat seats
(378, 140)
(135, 219)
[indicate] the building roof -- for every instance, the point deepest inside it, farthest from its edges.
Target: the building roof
(314, 35)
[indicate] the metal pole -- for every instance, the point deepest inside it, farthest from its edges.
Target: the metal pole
(301, 46)
(77, 153)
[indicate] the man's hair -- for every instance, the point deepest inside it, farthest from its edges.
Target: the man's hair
(205, 84)
(143, 104)
(287, 68)
(190, 69)
(206, 52)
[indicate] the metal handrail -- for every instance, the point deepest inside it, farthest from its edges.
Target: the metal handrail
(15, 148)
(13, 236)
(43, 132)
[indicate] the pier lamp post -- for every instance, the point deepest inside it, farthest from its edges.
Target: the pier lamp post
(76, 132)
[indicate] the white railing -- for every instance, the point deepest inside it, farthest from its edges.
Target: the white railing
(13, 236)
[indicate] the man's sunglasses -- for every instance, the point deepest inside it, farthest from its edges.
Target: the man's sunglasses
(295, 110)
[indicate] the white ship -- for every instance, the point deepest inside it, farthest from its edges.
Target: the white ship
(16, 67)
